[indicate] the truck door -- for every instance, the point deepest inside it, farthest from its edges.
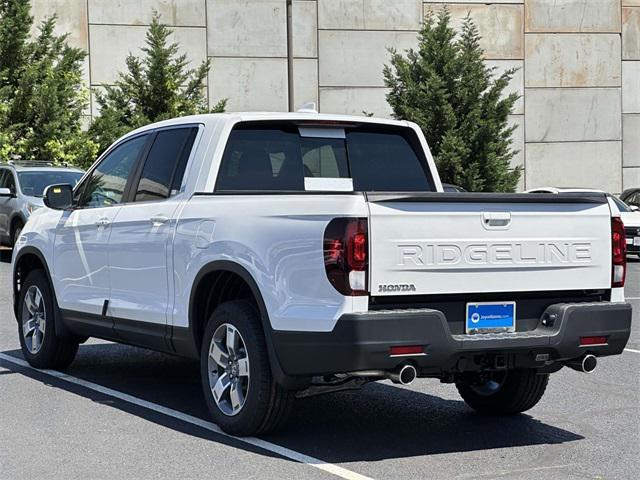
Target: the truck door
(140, 263)
(80, 255)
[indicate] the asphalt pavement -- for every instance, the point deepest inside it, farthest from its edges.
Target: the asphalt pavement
(124, 412)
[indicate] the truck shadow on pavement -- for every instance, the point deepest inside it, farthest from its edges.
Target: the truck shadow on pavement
(379, 422)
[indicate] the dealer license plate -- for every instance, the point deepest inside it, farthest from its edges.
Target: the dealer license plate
(491, 317)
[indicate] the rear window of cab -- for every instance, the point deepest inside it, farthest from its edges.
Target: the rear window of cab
(273, 157)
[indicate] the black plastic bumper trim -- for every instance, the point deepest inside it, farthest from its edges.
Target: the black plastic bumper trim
(362, 341)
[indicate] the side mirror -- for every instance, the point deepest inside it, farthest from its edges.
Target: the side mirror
(633, 208)
(58, 197)
(6, 192)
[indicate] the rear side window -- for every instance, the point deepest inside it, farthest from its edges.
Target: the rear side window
(165, 165)
(270, 158)
(261, 159)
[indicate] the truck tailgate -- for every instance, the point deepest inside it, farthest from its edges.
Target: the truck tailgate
(457, 243)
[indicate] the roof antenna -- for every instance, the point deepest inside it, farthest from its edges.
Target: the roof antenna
(309, 107)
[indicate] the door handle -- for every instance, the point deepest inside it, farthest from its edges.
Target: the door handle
(159, 219)
(103, 222)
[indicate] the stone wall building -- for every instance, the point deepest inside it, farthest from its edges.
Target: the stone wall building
(578, 119)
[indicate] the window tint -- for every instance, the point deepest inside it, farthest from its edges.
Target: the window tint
(105, 186)
(261, 159)
(269, 158)
(385, 162)
(164, 168)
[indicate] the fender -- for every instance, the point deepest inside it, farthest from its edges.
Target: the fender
(286, 381)
(61, 328)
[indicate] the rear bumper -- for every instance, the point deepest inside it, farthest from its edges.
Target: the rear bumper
(362, 341)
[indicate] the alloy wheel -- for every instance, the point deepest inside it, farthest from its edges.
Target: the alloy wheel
(228, 369)
(34, 317)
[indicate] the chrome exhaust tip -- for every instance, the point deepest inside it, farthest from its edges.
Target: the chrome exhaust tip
(586, 364)
(406, 375)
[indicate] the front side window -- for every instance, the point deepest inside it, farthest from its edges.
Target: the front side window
(34, 183)
(165, 165)
(105, 186)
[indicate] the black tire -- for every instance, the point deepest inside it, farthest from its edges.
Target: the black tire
(54, 352)
(512, 391)
(266, 404)
(15, 233)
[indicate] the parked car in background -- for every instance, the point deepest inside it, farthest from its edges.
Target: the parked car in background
(563, 190)
(450, 188)
(631, 218)
(629, 214)
(631, 197)
(21, 189)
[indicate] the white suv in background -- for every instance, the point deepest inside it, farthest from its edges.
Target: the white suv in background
(21, 190)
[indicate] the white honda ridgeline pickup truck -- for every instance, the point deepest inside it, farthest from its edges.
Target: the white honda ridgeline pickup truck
(297, 253)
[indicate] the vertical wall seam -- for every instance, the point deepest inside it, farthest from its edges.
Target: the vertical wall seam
(290, 85)
(621, 146)
(206, 49)
(524, 96)
(318, 52)
(89, 87)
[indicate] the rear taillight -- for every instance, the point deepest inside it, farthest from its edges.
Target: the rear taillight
(618, 253)
(346, 252)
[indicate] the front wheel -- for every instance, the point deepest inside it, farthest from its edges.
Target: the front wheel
(503, 392)
(238, 386)
(15, 235)
(36, 316)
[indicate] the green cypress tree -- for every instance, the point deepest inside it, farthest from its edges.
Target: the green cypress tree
(42, 98)
(446, 88)
(156, 87)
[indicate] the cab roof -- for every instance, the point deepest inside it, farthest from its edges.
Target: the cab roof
(235, 117)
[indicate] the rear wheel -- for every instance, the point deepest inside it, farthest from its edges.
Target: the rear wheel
(238, 386)
(40, 345)
(504, 392)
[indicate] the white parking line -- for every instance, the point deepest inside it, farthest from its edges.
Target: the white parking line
(631, 350)
(256, 442)
(632, 298)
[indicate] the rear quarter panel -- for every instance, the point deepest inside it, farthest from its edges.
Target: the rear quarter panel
(278, 239)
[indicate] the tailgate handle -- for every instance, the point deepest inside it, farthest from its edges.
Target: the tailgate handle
(496, 220)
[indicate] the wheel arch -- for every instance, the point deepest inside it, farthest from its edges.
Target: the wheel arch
(30, 258)
(221, 274)
(16, 219)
